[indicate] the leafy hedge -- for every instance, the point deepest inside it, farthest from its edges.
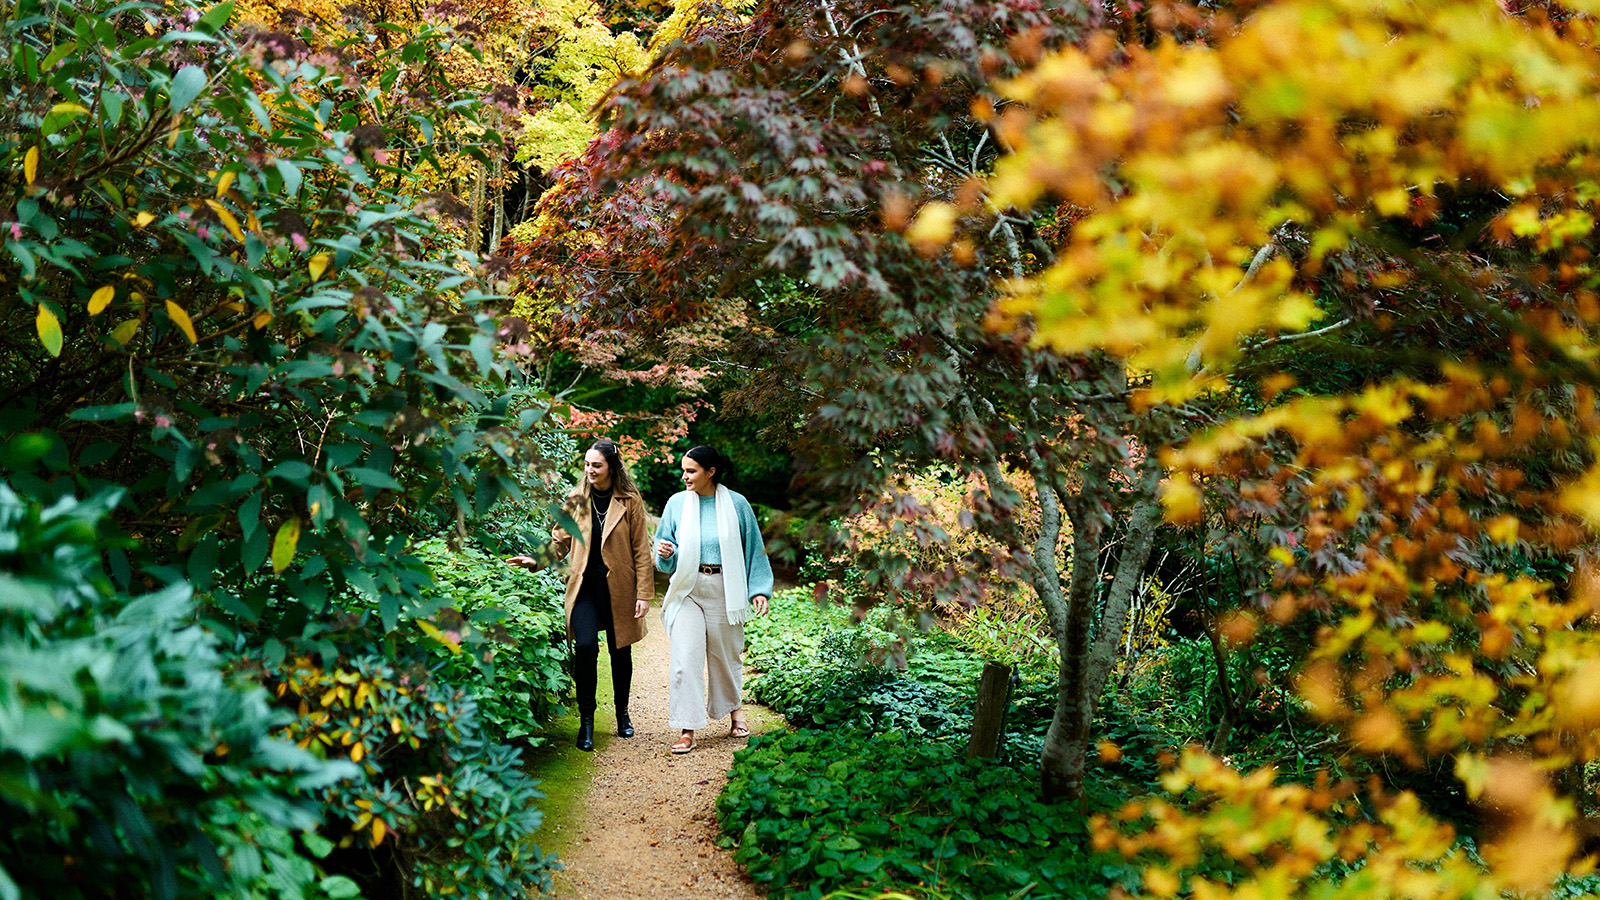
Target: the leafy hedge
(819, 671)
(816, 811)
(129, 755)
(834, 688)
(232, 293)
(235, 298)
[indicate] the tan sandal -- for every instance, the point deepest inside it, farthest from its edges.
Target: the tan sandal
(684, 744)
(739, 730)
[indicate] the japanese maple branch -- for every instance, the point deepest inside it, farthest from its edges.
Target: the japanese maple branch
(853, 59)
(1553, 354)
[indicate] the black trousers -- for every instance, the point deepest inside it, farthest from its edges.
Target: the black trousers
(590, 616)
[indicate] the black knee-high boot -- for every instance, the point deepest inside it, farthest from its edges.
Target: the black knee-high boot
(621, 685)
(585, 677)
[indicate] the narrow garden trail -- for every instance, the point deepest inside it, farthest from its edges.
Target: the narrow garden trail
(642, 821)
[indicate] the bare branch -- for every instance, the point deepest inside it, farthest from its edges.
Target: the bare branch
(1290, 338)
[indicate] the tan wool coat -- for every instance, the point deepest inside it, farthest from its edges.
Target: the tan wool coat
(625, 551)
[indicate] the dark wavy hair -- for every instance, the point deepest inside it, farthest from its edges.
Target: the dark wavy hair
(721, 467)
(621, 482)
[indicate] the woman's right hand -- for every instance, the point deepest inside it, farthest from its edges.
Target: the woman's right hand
(526, 562)
(665, 548)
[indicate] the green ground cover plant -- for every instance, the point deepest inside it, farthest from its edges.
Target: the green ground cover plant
(821, 669)
(502, 638)
(835, 688)
(794, 614)
(811, 812)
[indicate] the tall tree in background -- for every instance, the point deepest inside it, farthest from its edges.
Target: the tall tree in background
(541, 64)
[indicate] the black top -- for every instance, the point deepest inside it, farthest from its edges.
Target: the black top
(594, 574)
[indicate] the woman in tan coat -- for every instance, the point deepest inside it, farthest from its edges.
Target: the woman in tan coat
(609, 581)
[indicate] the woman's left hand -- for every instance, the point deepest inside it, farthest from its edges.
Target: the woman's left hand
(759, 604)
(640, 608)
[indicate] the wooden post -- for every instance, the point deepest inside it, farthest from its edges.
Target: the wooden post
(988, 716)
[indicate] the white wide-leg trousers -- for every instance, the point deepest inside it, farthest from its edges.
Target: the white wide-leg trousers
(704, 648)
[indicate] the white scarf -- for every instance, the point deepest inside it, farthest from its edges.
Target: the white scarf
(735, 587)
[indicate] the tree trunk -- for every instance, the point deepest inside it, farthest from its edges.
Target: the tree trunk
(1071, 608)
(497, 229)
(1124, 586)
(1066, 743)
(479, 185)
(1086, 660)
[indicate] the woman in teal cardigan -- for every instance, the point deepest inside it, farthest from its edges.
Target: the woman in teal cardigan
(710, 543)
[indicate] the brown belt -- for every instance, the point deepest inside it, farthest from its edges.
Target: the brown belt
(710, 569)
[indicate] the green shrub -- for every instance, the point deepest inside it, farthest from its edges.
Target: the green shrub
(232, 300)
(1569, 886)
(817, 811)
(520, 523)
(815, 666)
(131, 762)
(935, 658)
(1175, 697)
(1014, 633)
(824, 695)
(1178, 690)
(836, 685)
(514, 623)
(441, 810)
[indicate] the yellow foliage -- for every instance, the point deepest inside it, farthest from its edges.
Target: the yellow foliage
(1325, 118)
(49, 328)
(1317, 112)
(101, 299)
(935, 504)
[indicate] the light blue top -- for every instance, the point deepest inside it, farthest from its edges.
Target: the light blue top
(758, 570)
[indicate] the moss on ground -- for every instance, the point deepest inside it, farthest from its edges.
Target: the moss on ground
(566, 774)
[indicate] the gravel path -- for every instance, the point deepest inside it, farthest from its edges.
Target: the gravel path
(648, 826)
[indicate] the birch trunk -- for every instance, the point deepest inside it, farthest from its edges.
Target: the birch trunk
(497, 229)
